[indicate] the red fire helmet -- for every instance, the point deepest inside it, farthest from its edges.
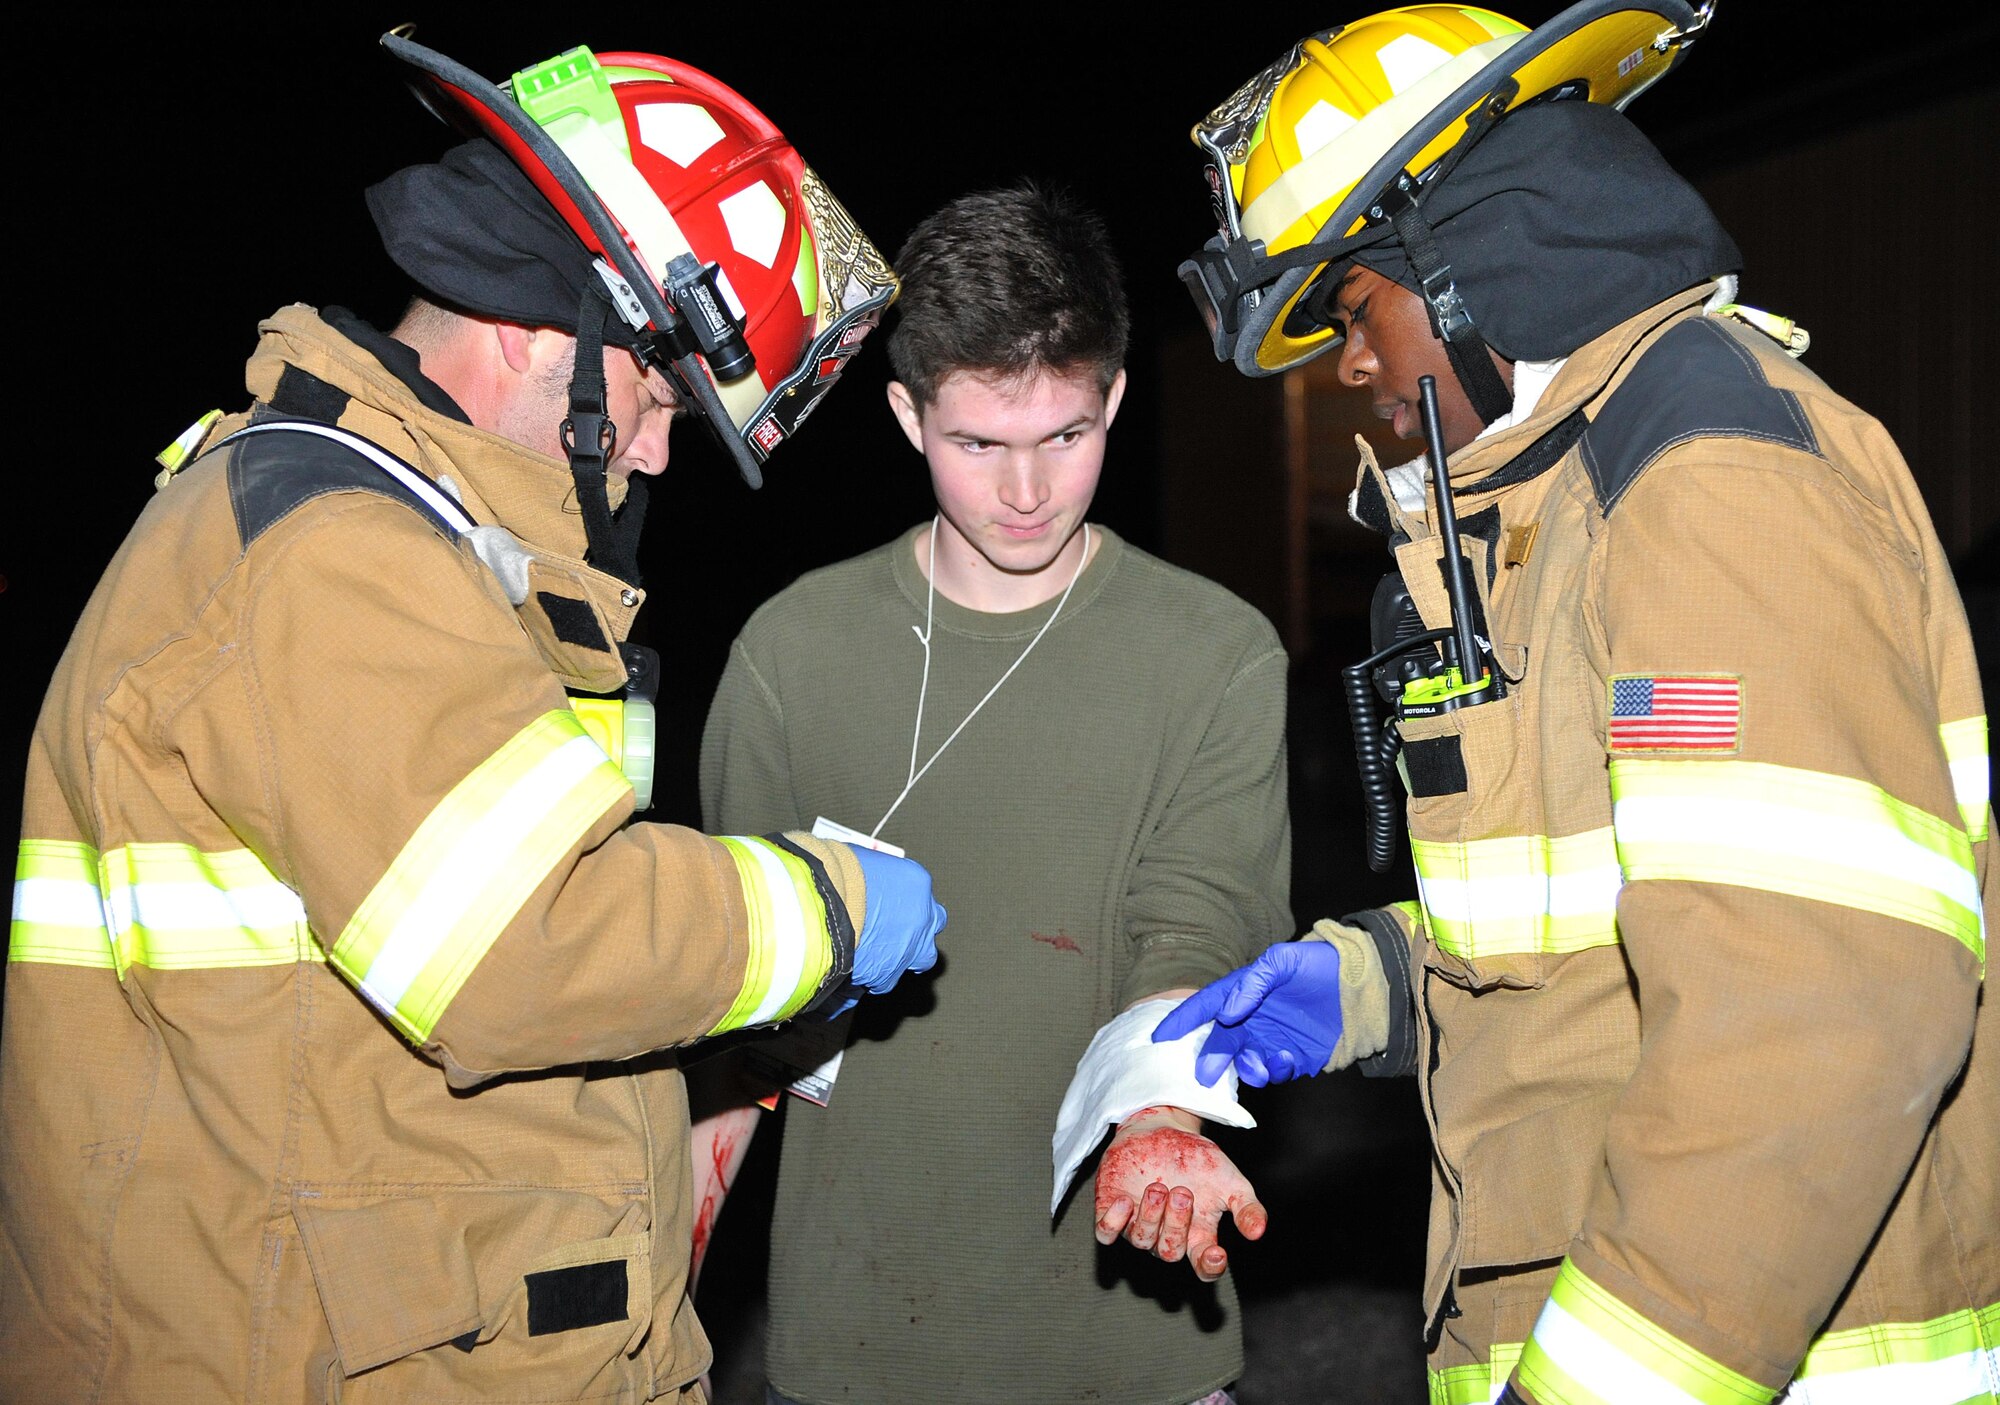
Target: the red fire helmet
(747, 278)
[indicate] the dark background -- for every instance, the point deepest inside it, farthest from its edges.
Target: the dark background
(177, 180)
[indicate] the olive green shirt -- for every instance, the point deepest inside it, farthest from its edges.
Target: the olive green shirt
(1113, 823)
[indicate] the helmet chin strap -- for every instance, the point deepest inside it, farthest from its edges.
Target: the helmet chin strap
(1451, 319)
(590, 439)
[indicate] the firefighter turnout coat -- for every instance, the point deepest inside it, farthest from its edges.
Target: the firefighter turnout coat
(1699, 953)
(336, 973)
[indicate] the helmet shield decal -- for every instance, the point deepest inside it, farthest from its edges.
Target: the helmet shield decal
(855, 284)
(1227, 133)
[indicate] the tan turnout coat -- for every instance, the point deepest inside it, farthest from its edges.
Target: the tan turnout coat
(1701, 948)
(347, 1091)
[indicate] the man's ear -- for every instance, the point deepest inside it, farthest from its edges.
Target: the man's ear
(527, 349)
(908, 415)
(1113, 397)
(516, 345)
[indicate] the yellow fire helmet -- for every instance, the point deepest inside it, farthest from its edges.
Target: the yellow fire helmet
(1333, 148)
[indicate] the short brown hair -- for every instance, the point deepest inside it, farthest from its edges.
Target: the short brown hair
(1006, 282)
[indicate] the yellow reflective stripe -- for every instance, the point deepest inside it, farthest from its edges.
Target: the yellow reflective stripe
(173, 907)
(1944, 1361)
(604, 720)
(1588, 1348)
(471, 864)
(175, 456)
(1522, 893)
(790, 949)
(1803, 833)
(1971, 773)
(1476, 1384)
(170, 907)
(58, 907)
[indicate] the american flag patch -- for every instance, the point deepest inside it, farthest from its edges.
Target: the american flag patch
(1686, 712)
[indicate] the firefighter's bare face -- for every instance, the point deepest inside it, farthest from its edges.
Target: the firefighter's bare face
(1014, 462)
(1389, 346)
(535, 401)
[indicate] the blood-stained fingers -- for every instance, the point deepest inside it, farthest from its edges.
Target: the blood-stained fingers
(1144, 1231)
(1175, 1224)
(1165, 1189)
(1205, 1253)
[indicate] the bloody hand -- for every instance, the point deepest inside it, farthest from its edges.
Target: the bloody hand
(1165, 1187)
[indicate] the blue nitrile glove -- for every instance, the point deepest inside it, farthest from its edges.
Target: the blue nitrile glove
(1277, 1018)
(899, 930)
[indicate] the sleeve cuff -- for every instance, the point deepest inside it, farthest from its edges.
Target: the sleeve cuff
(1590, 1346)
(1396, 1056)
(1176, 961)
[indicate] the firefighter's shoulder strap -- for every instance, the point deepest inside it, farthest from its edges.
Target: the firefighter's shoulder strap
(280, 464)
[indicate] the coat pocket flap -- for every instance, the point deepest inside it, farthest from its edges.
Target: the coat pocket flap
(1527, 1184)
(577, 638)
(391, 1276)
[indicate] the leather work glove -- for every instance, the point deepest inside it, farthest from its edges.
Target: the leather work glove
(900, 925)
(1277, 1018)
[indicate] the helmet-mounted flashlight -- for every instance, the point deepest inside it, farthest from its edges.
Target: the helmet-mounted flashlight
(707, 324)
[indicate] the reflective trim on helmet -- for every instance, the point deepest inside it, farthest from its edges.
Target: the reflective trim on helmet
(1590, 1348)
(1803, 833)
(570, 98)
(1521, 894)
(470, 865)
(1971, 773)
(805, 274)
(790, 950)
(1338, 164)
(743, 398)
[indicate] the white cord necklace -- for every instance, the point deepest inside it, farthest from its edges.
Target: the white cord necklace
(923, 689)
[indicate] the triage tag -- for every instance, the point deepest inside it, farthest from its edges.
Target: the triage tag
(807, 1056)
(824, 828)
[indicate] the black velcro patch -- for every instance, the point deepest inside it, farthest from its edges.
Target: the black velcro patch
(563, 1299)
(1484, 526)
(1436, 766)
(303, 395)
(573, 621)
